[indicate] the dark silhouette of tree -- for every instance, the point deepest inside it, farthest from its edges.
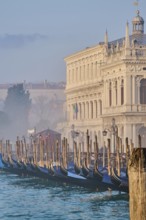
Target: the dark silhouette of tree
(17, 106)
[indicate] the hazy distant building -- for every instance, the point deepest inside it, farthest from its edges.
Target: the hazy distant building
(48, 89)
(47, 103)
(108, 81)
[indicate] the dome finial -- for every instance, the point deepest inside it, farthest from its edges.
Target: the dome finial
(138, 12)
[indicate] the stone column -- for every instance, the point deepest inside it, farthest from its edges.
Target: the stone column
(113, 93)
(95, 109)
(72, 113)
(138, 89)
(127, 133)
(89, 71)
(72, 77)
(89, 109)
(134, 136)
(77, 74)
(86, 110)
(133, 90)
(137, 184)
(127, 90)
(85, 72)
(119, 91)
(81, 69)
(107, 93)
(95, 70)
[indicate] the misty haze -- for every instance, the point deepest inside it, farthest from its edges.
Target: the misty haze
(28, 106)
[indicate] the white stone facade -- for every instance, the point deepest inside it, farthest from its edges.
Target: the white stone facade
(109, 81)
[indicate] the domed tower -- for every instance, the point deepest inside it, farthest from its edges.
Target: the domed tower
(138, 24)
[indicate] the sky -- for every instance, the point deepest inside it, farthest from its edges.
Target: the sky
(36, 35)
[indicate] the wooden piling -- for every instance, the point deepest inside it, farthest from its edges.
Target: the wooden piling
(109, 155)
(75, 152)
(88, 145)
(41, 146)
(96, 153)
(137, 184)
(127, 151)
(139, 141)
(18, 148)
(65, 152)
(118, 156)
(57, 153)
(79, 155)
(34, 152)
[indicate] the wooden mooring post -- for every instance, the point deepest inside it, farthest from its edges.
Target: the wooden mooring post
(137, 184)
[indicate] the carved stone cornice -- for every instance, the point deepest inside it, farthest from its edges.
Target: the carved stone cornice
(135, 68)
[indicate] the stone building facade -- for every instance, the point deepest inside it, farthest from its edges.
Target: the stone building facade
(108, 81)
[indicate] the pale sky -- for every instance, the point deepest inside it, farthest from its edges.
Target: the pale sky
(36, 35)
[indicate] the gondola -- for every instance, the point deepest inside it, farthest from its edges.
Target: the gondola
(77, 169)
(63, 170)
(85, 171)
(121, 182)
(12, 167)
(97, 174)
(65, 176)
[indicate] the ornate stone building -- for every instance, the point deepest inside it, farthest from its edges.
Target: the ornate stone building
(109, 81)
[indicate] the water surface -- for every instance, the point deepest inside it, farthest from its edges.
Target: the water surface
(32, 198)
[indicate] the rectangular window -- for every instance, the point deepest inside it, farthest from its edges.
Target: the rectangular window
(122, 95)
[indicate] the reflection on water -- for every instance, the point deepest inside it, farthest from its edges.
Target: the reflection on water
(32, 198)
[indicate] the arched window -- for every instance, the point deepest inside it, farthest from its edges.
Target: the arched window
(91, 70)
(91, 109)
(100, 107)
(84, 72)
(143, 91)
(110, 94)
(88, 71)
(122, 92)
(80, 73)
(96, 112)
(69, 113)
(87, 110)
(77, 74)
(73, 77)
(83, 107)
(69, 76)
(80, 111)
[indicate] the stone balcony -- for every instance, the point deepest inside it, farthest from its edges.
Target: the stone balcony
(116, 110)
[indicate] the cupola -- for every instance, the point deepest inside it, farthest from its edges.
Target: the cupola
(138, 24)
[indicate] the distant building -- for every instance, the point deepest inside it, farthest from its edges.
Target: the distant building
(50, 136)
(108, 81)
(50, 142)
(48, 100)
(45, 88)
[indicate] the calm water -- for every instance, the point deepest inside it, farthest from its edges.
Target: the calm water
(29, 198)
